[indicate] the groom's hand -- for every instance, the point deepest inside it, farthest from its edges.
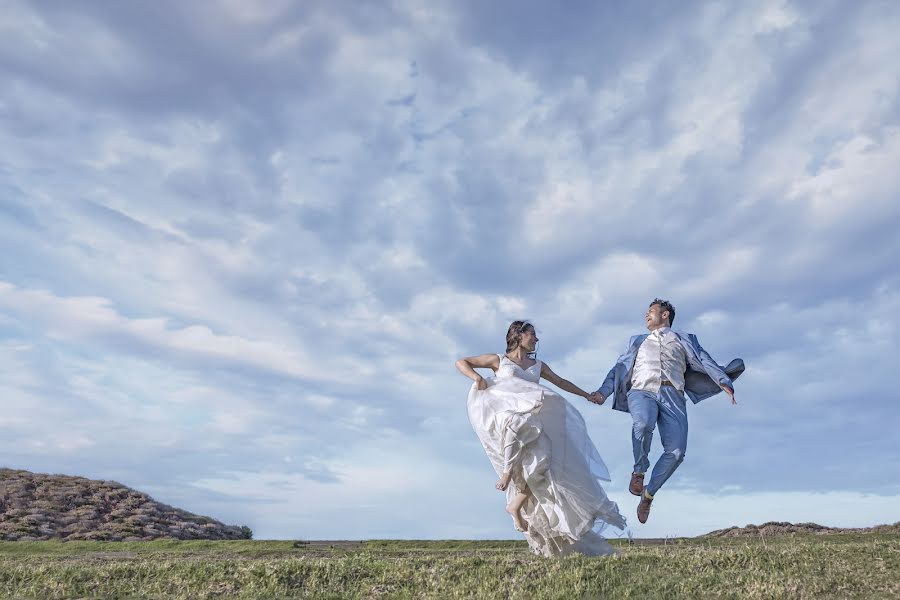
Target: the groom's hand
(730, 392)
(597, 398)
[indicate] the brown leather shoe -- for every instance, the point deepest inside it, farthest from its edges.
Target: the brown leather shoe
(636, 486)
(643, 510)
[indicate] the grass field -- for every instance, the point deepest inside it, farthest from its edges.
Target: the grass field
(832, 566)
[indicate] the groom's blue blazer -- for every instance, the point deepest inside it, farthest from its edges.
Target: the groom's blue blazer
(703, 377)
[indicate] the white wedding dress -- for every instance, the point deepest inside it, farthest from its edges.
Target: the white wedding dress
(534, 432)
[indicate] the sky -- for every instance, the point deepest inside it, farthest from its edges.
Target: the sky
(243, 244)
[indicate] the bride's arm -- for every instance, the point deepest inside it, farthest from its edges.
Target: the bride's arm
(563, 384)
(468, 365)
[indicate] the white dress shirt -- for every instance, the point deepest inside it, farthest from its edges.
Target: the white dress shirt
(660, 357)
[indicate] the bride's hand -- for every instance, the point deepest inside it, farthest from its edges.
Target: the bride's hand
(480, 383)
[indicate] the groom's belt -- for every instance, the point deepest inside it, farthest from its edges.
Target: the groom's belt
(662, 383)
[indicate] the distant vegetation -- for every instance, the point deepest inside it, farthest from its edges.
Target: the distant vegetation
(34, 507)
(782, 528)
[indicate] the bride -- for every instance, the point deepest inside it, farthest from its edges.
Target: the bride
(540, 449)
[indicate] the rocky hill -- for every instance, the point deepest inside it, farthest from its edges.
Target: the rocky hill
(783, 528)
(35, 506)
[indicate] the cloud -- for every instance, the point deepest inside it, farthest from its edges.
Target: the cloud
(90, 317)
(244, 243)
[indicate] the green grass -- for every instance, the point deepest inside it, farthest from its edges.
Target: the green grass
(833, 566)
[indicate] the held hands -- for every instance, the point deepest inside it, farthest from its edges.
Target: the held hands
(596, 398)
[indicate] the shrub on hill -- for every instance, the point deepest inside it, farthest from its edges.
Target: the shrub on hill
(784, 528)
(36, 506)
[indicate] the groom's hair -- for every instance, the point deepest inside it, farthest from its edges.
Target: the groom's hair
(663, 306)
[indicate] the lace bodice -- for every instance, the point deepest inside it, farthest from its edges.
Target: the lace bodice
(510, 369)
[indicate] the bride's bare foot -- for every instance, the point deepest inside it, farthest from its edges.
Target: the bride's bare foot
(503, 482)
(518, 521)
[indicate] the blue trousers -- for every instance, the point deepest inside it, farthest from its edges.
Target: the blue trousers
(666, 409)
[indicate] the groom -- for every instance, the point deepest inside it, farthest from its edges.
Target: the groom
(650, 381)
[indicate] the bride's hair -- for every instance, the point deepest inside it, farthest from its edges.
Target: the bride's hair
(514, 335)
